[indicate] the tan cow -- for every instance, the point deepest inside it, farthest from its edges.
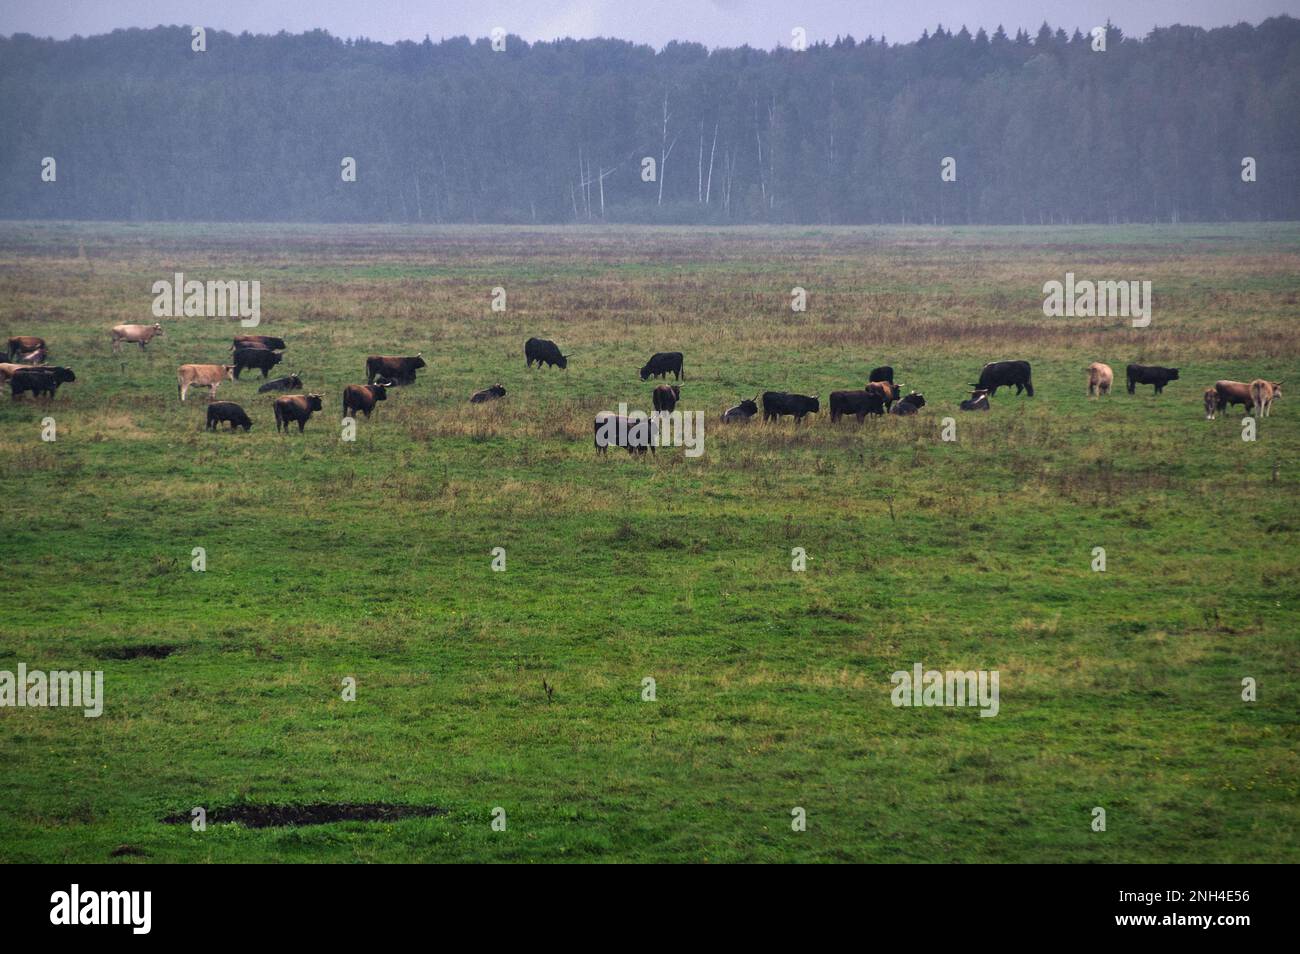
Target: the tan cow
(8, 370)
(135, 334)
(203, 375)
(1263, 393)
(1100, 378)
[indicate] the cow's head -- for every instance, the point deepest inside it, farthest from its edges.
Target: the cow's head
(1277, 389)
(313, 402)
(677, 391)
(816, 403)
(229, 371)
(498, 390)
(379, 391)
(1173, 374)
(563, 362)
(916, 399)
(275, 359)
(64, 375)
(157, 328)
(294, 380)
(418, 361)
(645, 371)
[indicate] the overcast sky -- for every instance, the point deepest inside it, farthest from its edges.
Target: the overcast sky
(760, 23)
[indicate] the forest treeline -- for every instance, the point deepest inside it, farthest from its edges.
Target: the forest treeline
(1039, 128)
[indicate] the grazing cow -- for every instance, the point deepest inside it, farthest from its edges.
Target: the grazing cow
(291, 383)
(487, 394)
(258, 341)
(1100, 378)
(978, 401)
(632, 433)
(1234, 392)
(203, 376)
(21, 344)
(1263, 393)
(858, 403)
(540, 349)
(393, 369)
(1004, 374)
(1211, 403)
(134, 334)
(887, 390)
(909, 405)
(779, 403)
(741, 412)
(219, 411)
(662, 364)
(259, 358)
(883, 373)
(40, 381)
(1150, 374)
(295, 407)
(666, 396)
(362, 397)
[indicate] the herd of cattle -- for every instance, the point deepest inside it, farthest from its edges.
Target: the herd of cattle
(26, 371)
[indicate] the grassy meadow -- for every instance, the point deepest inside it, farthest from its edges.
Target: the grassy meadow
(372, 559)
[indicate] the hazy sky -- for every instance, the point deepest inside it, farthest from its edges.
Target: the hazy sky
(760, 23)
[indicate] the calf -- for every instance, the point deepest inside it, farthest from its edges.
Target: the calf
(219, 411)
(632, 433)
(1263, 393)
(21, 344)
(487, 394)
(134, 334)
(1150, 374)
(741, 412)
(292, 383)
(978, 401)
(776, 404)
(1234, 392)
(666, 396)
(540, 349)
(203, 375)
(882, 373)
(40, 381)
(663, 364)
(362, 397)
(858, 403)
(1100, 378)
(1004, 374)
(909, 405)
(262, 359)
(393, 369)
(295, 407)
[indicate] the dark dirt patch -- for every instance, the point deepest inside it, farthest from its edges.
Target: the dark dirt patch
(124, 851)
(144, 651)
(276, 816)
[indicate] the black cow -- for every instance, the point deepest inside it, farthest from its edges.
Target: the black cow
(291, 383)
(909, 405)
(262, 359)
(882, 373)
(487, 394)
(258, 341)
(741, 412)
(362, 397)
(1150, 374)
(858, 403)
(666, 396)
(542, 350)
(40, 381)
(978, 401)
(295, 407)
(632, 433)
(219, 411)
(778, 403)
(662, 364)
(1003, 374)
(393, 369)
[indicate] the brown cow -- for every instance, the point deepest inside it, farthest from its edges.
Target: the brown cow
(135, 334)
(203, 376)
(295, 407)
(887, 390)
(20, 344)
(362, 397)
(1263, 393)
(1100, 378)
(1234, 392)
(394, 368)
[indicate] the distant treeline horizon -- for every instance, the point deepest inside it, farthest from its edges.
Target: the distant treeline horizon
(954, 128)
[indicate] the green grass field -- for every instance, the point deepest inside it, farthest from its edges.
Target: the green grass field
(326, 559)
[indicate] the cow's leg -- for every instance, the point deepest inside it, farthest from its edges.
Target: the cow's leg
(212, 392)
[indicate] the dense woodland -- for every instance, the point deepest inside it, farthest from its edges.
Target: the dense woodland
(1042, 128)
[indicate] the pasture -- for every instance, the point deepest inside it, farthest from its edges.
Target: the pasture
(372, 559)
